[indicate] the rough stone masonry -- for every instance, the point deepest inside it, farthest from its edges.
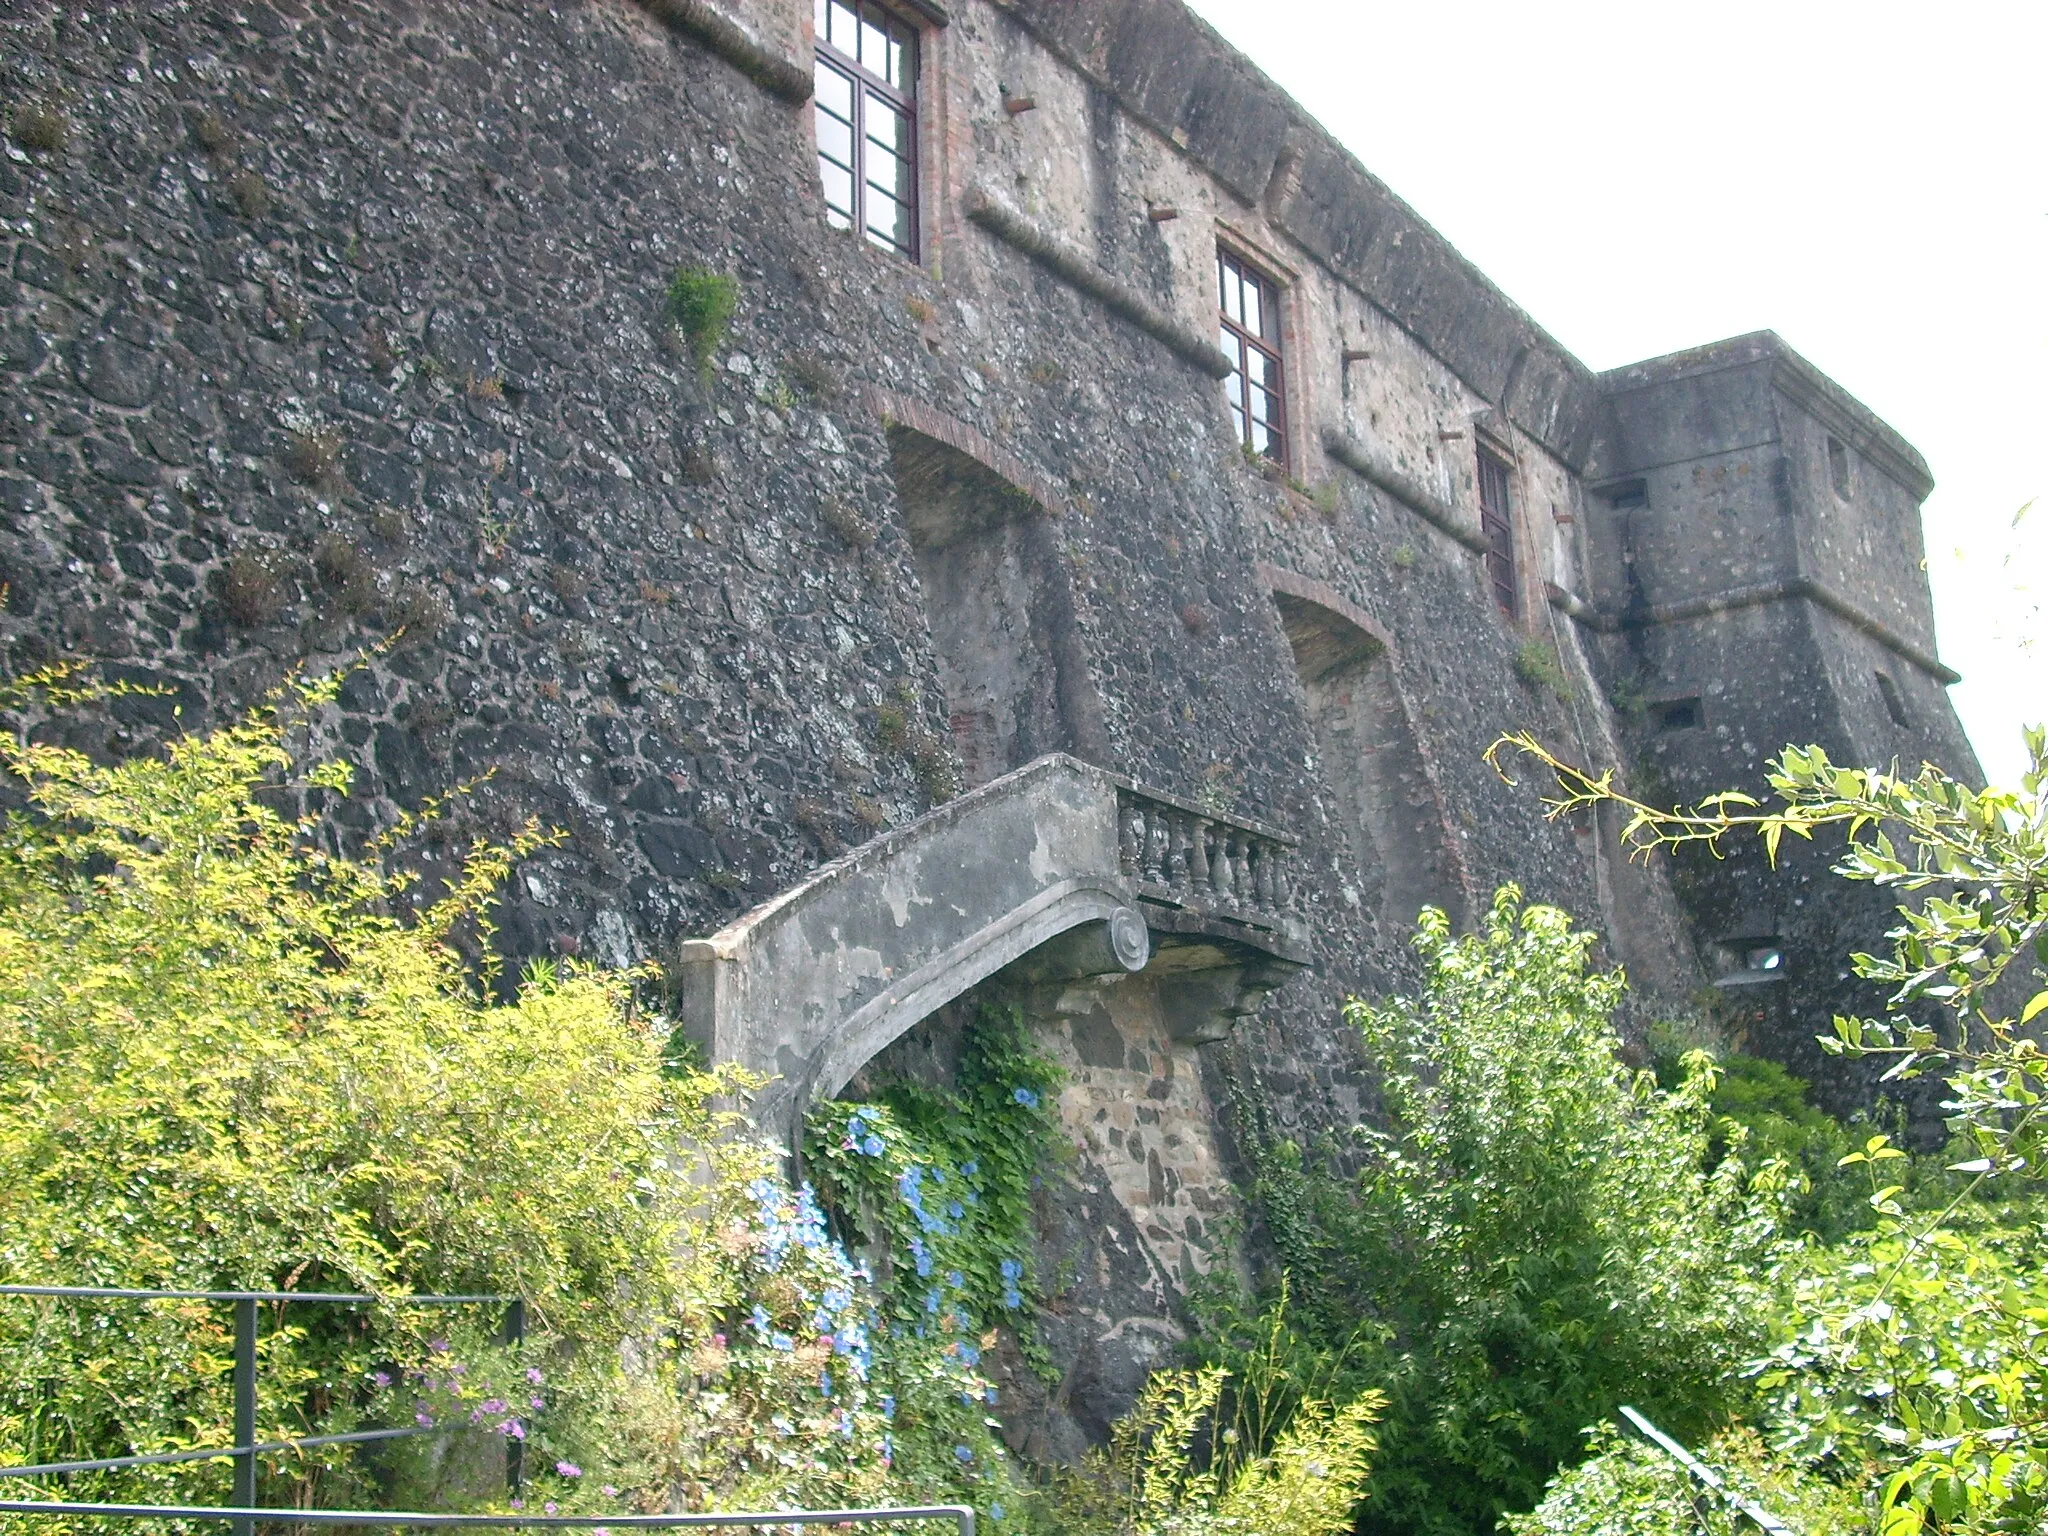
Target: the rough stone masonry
(328, 323)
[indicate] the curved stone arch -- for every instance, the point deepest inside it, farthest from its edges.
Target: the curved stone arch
(806, 988)
(1372, 759)
(1054, 911)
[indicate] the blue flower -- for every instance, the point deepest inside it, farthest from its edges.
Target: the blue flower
(989, 1397)
(995, 1511)
(962, 1454)
(931, 1299)
(760, 1318)
(970, 1168)
(872, 1146)
(1025, 1097)
(824, 1383)
(956, 1210)
(888, 1406)
(782, 1341)
(1012, 1269)
(955, 1279)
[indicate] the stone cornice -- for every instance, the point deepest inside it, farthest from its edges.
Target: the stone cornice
(1792, 589)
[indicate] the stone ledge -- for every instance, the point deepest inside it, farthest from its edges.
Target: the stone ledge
(726, 38)
(1425, 504)
(1080, 271)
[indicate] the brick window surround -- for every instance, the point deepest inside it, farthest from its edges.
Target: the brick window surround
(1250, 338)
(866, 119)
(1497, 526)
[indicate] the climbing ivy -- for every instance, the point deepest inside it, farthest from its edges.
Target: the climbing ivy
(936, 1186)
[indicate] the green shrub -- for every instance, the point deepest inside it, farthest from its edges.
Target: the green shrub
(1538, 1236)
(1192, 1458)
(1778, 1121)
(700, 307)
(1627, 1488)
(225, 1063)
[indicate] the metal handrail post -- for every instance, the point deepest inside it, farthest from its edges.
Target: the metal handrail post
(515, 1449)
(245, 1412)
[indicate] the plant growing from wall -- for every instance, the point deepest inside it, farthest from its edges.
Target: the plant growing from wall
(935, 1185)
(700, 307)
(1537, 666)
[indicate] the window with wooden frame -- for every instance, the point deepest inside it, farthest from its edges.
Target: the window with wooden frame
(866, 111)
(1256, 388)
(1497, 527)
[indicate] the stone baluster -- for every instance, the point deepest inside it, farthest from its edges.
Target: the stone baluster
(1130, 836)
(1198, 858)
(1157, 846)
(1238, 851)
(1283, 887)
(1219, 866)
(1267, 871)
(1177, 856)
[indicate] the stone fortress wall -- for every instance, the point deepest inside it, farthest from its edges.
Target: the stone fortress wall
(323, 320)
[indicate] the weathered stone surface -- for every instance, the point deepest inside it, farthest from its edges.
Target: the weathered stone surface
(918, 523)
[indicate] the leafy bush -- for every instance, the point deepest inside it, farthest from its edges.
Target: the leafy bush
(1769, 1110)
(1912, 1352)
(1539, 1237)
(1627, 1488)
(1181, 1462)
(225, 1064)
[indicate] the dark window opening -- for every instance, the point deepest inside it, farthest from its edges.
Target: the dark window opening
(1838, 466)
(1628, 495)
(1251, 340)
(867, 122)
(1676, 715)
(1894, 701)
(1496, 525)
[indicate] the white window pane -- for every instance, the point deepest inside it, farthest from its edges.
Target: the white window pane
(885, 127)
(834, 93)
(835, 139)
(838, 187)
(874, 48)
(1253, 312)
(845, 30)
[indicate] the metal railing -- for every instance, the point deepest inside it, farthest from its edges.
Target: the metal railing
(247, 1448)
(961, 1516)
(243, 1514)
(1706, 1476)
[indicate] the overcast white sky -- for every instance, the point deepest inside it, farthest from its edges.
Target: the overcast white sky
(1869, 180)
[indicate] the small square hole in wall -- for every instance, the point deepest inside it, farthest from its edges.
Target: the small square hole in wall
(1676, 714)
(1894, 701)
(1627, 495)
(1838, 466)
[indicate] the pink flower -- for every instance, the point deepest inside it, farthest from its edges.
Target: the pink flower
(568, 1469)
(609, 1491)
(550, 1507)
(533, 1374)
